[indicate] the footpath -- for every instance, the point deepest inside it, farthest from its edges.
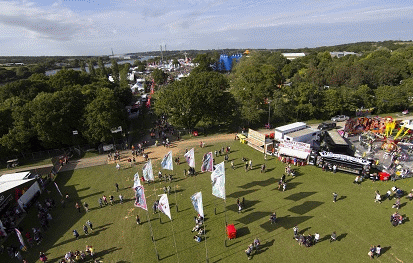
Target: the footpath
(154, 152)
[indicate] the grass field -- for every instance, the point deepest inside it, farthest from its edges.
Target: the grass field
(307, 202)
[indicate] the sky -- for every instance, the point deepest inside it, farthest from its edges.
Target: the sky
(94, 27)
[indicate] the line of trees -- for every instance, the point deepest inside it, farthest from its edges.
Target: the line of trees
(42, 112)
(316, 86)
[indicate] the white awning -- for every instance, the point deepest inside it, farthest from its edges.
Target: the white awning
(293, 153)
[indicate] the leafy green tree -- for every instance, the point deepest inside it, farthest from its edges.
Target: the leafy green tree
(91, 67)
(159, 76)
(115, 71)
(101, 115)
(391, 99)
(204, 63)
(55, 116)
(175, 62)
(199, 97)
(102, 68)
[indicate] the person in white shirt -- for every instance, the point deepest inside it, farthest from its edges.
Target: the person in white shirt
(316, 237)
(378, 249)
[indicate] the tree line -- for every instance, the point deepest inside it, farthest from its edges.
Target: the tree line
(41, 112)
(316, 86)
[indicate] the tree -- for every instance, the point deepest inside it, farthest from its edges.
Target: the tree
(102, 68)
(204, 63)
(199, 97)
(115, 71)
(175, 62)
(101, 115)
(55, 116)
(159, 76)
(82, 66)
(91, 66)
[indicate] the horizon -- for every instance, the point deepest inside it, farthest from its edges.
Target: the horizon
(89, 28)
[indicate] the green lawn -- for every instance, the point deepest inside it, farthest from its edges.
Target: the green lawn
(307, 202)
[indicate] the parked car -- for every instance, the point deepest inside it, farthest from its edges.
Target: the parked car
(340, 118)
(325, 126)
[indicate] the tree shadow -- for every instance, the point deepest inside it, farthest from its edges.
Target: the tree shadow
(342, 236)
(241, 193)
(305, 207)
(267, 182)
(252, 217)
(299, 196)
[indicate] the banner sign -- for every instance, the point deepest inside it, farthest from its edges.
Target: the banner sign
(344, 158)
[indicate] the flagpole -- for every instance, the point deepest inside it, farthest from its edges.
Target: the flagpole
(154, 190)
(206, 248)
(226, 222)
(152, 236)
(173, 233)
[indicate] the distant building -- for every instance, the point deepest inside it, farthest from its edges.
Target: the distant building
(341, 54)
(292, 56)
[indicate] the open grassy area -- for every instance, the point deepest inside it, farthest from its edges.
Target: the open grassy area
(307, 202)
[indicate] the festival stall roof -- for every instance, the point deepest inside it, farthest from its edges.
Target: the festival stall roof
(10, 181)
(294, 153)
(305, 135)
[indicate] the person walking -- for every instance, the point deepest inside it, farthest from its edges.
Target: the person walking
(284, 186)
(333, 237)
(316, 237)
(246, 166)
(75, 234)
(86, 206)
(105, 201)
(250, 164)
(85, 230)
(77, 207)
(89, 224)
(232, 165)
(295, 229)
(138, 220)
(117, 166)
(100, 202)
(257, 244)
(117, 187)
(335, 197)
(121, 198)
(263, 168)
(248, 251)
(111, 198)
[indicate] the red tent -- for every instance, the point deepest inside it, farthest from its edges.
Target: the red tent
(231, 232)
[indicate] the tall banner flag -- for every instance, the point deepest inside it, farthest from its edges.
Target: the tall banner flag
(190, 158)
(197, 203)
(167, 161)
(207, 162)
(147, 171)
(163, 205)
(19, 235)
(57, 187)
(136, 180)
(140, 200)
(218, 181)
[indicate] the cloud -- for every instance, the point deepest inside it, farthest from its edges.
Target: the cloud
(48, 23)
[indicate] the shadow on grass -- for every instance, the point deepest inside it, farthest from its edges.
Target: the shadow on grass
(241, 193)
(96, 193)
(324, 238)
(286, 222)
(289, 186)
(265, 247)
(305, 207)
(267, 182)
(299, 196)
(342, 197)
(385, 249)
(248, 205)
(91, 233)
(243, 231)
(341, 237)
(252, 217)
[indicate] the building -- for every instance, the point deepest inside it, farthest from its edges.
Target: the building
(297, 132)
(292, 56)
(341, 54)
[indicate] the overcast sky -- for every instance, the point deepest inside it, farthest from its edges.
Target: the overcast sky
(93, 27)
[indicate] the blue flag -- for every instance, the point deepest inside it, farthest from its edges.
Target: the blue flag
(167, 161)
